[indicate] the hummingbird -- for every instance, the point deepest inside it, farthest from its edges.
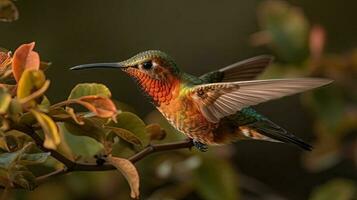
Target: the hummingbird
(215, 108)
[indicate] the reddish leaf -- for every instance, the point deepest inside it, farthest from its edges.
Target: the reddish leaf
(25, 58)
(101, 106)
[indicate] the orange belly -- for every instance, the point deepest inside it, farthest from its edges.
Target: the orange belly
(186, 117)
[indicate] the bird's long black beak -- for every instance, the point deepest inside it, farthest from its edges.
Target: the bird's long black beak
(98, 66)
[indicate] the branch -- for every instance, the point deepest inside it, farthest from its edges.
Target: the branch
(71, 166)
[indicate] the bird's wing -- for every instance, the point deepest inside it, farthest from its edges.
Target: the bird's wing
(218, 100)
(244, 70)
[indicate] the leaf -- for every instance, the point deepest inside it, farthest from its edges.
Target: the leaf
(90, 128)
(24, 178)
(129, 172)
(4, 178)
(337, 189)
(30, 81)
(125, 135)
(131, 122)
(34, 158)
(8, 159)
(5, 99)
(15, 109)
(8, 11)
(156, 132)
(44, 105)
(89, 89)
(8, 143)
(24, 58)
(100, 106)
(50, 129)
(216, 179)
(82, 146)
(78, 119)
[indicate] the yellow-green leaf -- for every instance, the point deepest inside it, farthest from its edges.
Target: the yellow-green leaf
(131, 122)
(125, 135)
(50, 129)
(88, 89)
(129, 172)
(30, 81)
(5, 99)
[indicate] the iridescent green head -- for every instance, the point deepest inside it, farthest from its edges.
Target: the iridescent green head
(148, 62)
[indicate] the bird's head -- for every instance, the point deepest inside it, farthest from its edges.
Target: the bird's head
(155, 72)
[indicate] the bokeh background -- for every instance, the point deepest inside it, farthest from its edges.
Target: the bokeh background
(308, 38)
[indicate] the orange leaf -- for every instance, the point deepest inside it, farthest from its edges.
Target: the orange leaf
(101, 106)
(130, 173)
(25, 58)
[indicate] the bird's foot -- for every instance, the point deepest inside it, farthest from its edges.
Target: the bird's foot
(200, 146)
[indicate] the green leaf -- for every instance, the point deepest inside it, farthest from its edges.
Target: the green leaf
(91, 128)
(34, 158)
(9, 143)
(216, 179)
(44, 105)
(132, 123)
(15, 110)
(88, 89)
(8, 159)
(125, 135)
(24, 178)
(337, 189)
(82, 146)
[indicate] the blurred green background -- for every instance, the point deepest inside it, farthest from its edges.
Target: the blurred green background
(203, 36)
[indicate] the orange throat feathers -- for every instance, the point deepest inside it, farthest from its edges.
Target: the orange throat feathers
(158, 90)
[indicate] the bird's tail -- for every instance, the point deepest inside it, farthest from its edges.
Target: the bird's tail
(265, 129)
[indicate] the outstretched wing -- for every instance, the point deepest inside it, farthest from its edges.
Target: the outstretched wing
(241, 71)
(218, 100)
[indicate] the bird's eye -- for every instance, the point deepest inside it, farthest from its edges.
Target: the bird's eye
(147, 65)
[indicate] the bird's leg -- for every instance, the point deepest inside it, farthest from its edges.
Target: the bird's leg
(200, 146)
